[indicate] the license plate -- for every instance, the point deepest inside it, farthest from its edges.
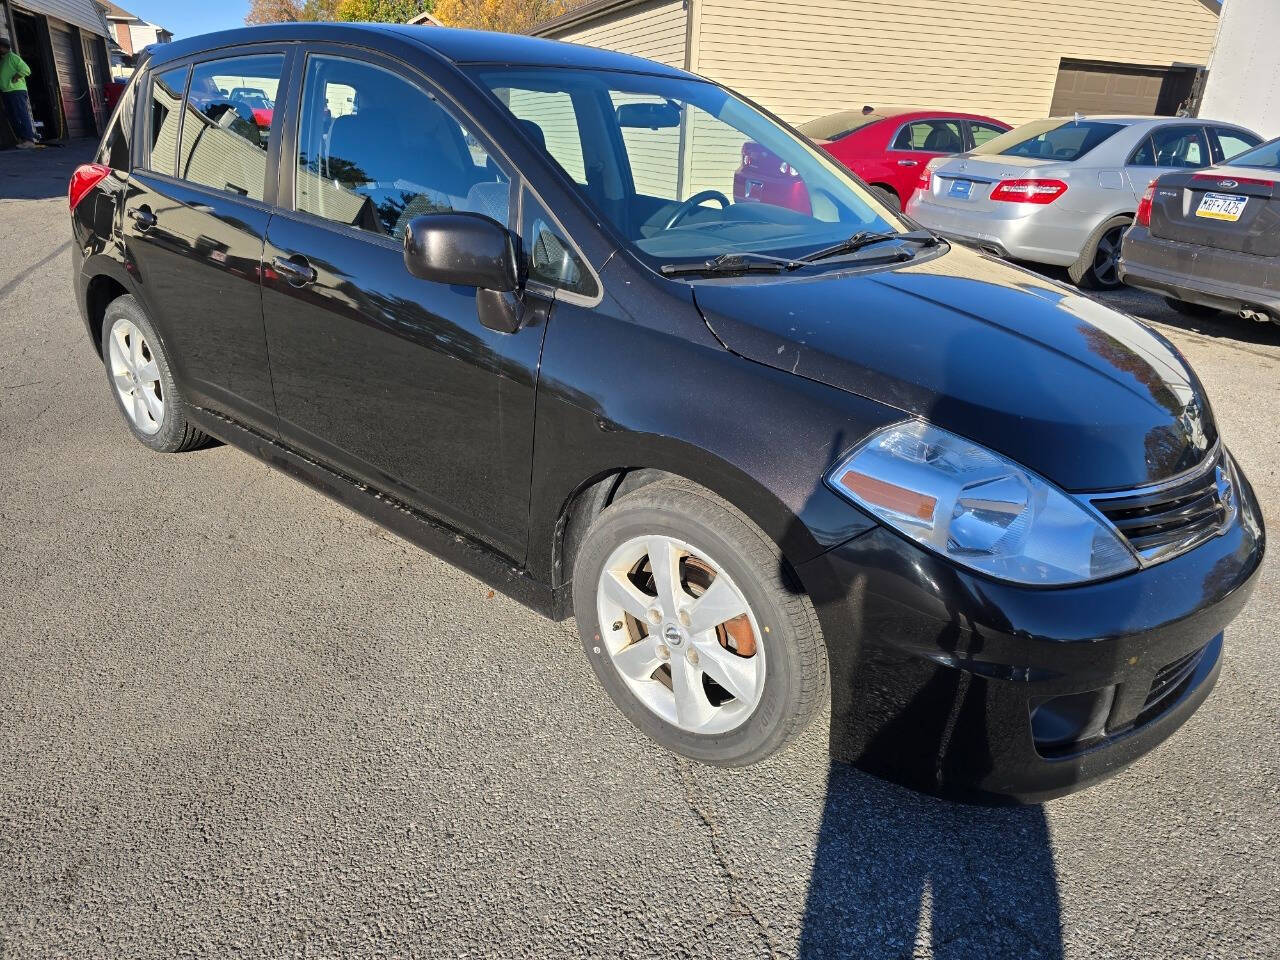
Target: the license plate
(1221, 206)
(961, 189)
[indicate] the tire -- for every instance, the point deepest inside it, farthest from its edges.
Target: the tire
(1188, 309)
(1088, 273)
(887, 197)
(790, 675)
(145, 381)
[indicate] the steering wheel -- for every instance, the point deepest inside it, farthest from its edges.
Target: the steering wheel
(688, 206)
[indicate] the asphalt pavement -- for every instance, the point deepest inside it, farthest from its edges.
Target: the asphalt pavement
(236, 717)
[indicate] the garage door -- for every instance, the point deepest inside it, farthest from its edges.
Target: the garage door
(75, 94)
(1120, 88)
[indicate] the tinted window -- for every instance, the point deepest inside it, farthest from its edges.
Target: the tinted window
(1266, 157)
(1175, 146)
(983, 132)
(375, 151)
(1051, 139)
(548, 257)
(1232, 143)
(937, 136)
(224, 143)
(166, 97)
(837, 125)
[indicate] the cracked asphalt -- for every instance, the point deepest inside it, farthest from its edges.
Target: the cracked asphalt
(237, 718)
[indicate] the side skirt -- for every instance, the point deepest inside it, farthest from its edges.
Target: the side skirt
(413, 525)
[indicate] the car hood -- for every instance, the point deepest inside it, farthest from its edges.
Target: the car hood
(1081, 394)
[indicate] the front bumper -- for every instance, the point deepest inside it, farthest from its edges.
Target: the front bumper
(1222, 279)
(936, 672)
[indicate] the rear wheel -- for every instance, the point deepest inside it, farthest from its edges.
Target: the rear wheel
(1188, 309)
(695, 628)
(1098, 266)
(142, 382)
(887, 197)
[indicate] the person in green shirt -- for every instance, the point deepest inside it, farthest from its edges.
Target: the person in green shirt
(13, 88)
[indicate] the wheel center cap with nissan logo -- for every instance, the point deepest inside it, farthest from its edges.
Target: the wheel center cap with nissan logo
(671, 633)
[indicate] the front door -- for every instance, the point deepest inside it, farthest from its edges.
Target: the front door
(387, 377)
(195, 216)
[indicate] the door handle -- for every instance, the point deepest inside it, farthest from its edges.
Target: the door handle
(908, 163)
(295, 270)
(143, 218)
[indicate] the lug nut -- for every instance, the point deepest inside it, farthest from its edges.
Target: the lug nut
(655, 616)
(693, 656)
(684, 618)
(617, 625)
(664, 652)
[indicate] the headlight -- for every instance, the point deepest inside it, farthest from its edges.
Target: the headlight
(979, 509)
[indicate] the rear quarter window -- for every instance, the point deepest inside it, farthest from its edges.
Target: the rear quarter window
(114, 151)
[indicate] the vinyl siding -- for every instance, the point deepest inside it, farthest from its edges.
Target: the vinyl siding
(83, 13)
(808, 58)
(655, 30)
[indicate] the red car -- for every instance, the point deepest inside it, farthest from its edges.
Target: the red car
(887, 148)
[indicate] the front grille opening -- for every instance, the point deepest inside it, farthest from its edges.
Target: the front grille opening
(1170, 679)
(1161, 523)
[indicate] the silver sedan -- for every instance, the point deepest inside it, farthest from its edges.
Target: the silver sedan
(1062, 191)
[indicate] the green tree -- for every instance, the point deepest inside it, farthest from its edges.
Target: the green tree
(289, 11)
(381, 11)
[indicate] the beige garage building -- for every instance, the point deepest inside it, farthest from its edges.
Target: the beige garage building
(1012, 59)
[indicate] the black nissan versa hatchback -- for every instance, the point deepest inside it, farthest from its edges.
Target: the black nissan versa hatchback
(495, 293)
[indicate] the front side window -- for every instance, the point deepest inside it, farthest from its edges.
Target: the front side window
(1051, 139)
(1172, 147)
(935, 136)
(984, 132)
(1265, 157)
(682, 168)
(1232, 143)
(224, 142)
(166, 98)
(375, 151)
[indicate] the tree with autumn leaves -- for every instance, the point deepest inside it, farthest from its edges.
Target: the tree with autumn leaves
(511, 16)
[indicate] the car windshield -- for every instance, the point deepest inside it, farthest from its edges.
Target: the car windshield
(1264, 157)
(683, 169)
(837, 126)
(1052, 139)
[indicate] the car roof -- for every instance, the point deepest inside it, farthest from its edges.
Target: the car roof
(448, 43)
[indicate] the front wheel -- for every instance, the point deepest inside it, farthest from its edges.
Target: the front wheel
(696, 628)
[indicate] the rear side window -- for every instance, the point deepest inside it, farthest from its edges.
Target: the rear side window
(1051, 139)
(375, 151)
(114, 151)
(936, 136)
(162, 122)
(224, 138)
(1176, 146)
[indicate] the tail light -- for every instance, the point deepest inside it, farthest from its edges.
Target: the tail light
(1029, 191)
(86, 177)
(1143, 216)
(926, 174)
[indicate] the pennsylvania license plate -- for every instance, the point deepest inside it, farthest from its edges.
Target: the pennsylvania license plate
(1221, 206)
(961, 189)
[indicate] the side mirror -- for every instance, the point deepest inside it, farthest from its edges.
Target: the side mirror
(463, 249)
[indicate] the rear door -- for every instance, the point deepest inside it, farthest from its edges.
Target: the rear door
(1228, 142)
(1166, 148)
(916, 143)
(195, 215)
(1228, 209)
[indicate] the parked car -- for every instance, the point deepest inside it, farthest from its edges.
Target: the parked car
(1062, 191)
(888, 148)
(759, 455)
(1211, 241)
(259, 105)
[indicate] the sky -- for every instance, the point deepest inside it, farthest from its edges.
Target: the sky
(186, 18)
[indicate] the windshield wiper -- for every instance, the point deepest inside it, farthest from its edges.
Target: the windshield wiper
(743, 262)
(865, 238)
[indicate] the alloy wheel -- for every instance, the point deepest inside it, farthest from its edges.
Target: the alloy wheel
(136, 376)
(1106, 258)
(681, 635)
